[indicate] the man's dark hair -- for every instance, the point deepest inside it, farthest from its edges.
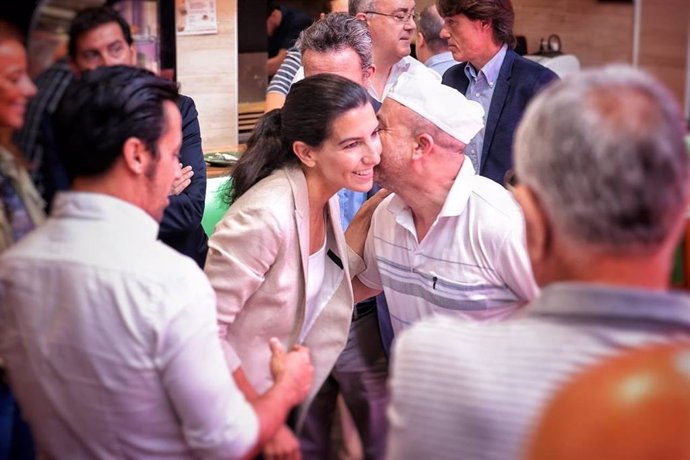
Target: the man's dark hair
(104, 108)
(9, 31)
(91, 18)
(500, 12)
(271, 5)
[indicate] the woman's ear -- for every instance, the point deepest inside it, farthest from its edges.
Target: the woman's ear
(305, 153)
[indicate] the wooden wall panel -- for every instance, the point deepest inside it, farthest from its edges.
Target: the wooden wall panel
(597, 33)
(207, 72)
(664, 30)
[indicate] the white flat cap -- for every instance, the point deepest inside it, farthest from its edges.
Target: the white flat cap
(442, 105)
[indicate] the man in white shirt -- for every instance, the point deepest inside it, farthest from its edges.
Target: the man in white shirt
(392, 27)
(447, 241)
(109, 336)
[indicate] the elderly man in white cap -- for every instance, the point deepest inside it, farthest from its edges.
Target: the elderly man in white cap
(447, 241)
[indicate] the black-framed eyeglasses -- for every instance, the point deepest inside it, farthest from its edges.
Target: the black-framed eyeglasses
(398, 16)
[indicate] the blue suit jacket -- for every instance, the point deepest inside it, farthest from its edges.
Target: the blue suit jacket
(518, 81)
(181, 227)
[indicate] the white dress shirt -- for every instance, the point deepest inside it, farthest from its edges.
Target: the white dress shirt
(111, 342)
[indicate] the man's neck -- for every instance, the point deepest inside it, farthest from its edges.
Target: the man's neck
(647, 270)
(488, 53)
(426, 202)
(384, 66)
(111, 185)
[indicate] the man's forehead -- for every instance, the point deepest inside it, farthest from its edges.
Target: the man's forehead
(389, 109)
(112, 30)
(339, 62)
(393, 5)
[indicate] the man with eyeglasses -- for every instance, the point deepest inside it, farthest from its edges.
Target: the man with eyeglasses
(480, 34)
(101, 37)
(392, 27)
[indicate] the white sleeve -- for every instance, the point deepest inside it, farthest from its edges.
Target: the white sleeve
(513, 264)
(371, 277)
(217, 421)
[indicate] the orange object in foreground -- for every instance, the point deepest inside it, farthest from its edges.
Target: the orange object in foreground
(634, 406)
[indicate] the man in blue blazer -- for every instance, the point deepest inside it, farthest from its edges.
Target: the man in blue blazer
(480, 33)
(100, 36)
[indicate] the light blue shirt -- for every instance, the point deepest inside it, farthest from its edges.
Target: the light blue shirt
(481, 89)
(350, 202)
(441, 62)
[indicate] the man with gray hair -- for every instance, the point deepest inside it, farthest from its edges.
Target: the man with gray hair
(431, 48)
(338, 43)
(604, 184)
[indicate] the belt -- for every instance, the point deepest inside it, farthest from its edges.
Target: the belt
(363, 308)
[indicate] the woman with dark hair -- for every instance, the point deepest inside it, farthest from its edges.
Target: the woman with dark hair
(21, 208)
(278, 259)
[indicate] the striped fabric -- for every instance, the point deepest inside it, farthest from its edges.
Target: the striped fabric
(472, 263)
(51, 84)
(462, 390)
(282, 80)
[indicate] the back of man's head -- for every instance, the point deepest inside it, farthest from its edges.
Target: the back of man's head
(105, 108)
(360, 6)
(429, 25)
(91, 18)
(335, 32)
(499, 12)
(604, 153)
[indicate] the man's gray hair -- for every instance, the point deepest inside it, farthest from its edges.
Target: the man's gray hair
(335, 32)
(429, 25)
(359, 6)
(604, 152)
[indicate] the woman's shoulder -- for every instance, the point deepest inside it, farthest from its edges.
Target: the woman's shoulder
(272, 195)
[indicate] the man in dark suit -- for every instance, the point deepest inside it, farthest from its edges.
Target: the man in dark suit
(480, 33)
(101, 37)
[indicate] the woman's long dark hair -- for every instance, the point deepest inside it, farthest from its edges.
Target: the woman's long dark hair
(310, 108)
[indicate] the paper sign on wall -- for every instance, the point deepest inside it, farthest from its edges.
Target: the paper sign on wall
(196, 17)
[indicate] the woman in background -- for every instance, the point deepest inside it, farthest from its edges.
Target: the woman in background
(278, 259)
(21, 208)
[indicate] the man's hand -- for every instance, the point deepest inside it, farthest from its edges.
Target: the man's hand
(183, 181)
(283, 446)
(292, 370)
(356, 233)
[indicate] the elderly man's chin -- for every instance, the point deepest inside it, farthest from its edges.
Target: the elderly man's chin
(380, 177)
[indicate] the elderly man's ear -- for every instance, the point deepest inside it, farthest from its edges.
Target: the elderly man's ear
(369, 73)
(538, 230)
(424, 145)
